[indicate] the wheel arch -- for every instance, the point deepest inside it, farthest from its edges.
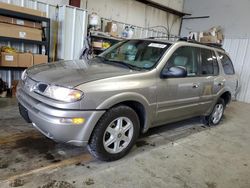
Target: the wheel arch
(134, 100)
(226, 96)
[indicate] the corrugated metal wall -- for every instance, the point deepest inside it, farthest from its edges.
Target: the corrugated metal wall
(72, 32)
(239, 50)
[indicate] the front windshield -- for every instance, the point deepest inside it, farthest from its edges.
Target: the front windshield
(141, 54)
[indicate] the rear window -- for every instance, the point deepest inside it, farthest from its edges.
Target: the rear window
(209, 64)
(226, 64)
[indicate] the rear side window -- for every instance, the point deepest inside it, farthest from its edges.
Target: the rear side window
(209, 64)
(226, 64)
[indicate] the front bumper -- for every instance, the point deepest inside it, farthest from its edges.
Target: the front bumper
(47, 119)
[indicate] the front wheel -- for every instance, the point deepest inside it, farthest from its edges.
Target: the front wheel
(114, 134)
(216, 116)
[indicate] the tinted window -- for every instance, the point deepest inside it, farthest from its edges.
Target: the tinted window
(226, 63)
(209, 64)
(185, 56)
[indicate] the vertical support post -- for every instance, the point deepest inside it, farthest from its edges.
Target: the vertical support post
(48, 39)
(73, 34)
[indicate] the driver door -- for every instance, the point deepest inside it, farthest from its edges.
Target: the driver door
(178, 98)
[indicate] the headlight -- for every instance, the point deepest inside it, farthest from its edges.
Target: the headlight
(24, 75)
(63, 94)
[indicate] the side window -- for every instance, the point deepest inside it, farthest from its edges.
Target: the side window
(215, 64)
(226, 64)
(185, 56)
(209, 64)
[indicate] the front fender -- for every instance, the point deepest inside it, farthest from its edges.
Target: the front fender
(129, 96)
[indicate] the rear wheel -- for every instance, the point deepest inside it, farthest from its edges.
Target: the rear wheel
(114, 134)
(216, 116)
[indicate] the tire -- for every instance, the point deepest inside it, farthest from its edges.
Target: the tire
(216, 115)
(114, 134)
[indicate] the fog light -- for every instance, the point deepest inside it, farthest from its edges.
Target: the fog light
(76, 121)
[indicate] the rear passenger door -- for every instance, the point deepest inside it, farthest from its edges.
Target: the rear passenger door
(209, 71)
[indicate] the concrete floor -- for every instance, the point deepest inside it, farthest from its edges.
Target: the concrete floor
(185, 154)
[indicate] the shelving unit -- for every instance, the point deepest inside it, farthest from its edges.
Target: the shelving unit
(33, 18)
(40, 44)
(96, 37)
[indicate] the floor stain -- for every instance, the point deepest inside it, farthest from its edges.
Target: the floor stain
(211, 184)
(49, 156)
(153, 145)
(56, 161)
(89, 181)
(141, 143)
(57, 184)
(41, 145)
(3, 164)
(80, 164)
(17, 183)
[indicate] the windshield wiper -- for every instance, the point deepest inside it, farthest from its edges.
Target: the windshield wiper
(133, 67)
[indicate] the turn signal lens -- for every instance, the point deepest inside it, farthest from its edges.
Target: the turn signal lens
(78, 121)
(75, 121)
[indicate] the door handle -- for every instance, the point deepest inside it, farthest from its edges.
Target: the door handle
(195, 85)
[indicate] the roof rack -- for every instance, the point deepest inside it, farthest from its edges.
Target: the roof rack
(214, 45)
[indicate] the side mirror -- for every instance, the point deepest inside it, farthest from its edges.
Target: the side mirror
(174, 72)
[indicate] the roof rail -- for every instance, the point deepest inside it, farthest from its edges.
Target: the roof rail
(214, 45)
(165, 37)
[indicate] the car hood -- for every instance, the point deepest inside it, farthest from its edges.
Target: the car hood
(76, 72)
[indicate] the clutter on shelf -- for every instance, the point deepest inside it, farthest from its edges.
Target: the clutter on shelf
(11, 58)
(24, 26)
(213, 35)
(104, 33)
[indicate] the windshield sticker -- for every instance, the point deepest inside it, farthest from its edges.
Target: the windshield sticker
(157, 45)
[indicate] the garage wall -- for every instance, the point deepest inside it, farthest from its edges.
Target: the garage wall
(233, 17)
(55, 2)
(136, 13)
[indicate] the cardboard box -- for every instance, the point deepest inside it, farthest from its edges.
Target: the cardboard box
(39, 59)
(8, 59)
(97, 44)
(27, 23)
(5, 19)
(111, 28)
(22, 9)
(15, 31)
(220, 36)
(209, 39)
(9, 20)
(25, 60)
